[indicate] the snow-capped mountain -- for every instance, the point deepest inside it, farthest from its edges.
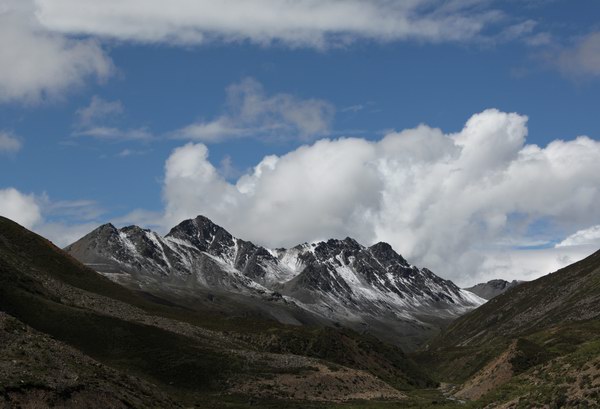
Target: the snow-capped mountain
(338, 280)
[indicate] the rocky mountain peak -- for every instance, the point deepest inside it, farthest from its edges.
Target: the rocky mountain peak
(104, 230)
(384, 251)
(202, 233)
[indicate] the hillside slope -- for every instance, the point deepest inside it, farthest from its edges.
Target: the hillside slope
(529, 345)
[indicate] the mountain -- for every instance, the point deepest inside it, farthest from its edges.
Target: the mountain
(535, 345)
(492, 288)
(69, 337)
(335, 281)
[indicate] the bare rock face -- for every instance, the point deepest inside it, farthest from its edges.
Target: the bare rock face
(337, 280)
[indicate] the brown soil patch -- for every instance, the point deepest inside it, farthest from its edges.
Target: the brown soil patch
(494, 374)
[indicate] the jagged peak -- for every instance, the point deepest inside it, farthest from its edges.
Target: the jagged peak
(134, 228)
(192, 226)
(202, 233)
(383, 249)
(382, 245)
(105, 228)
(350, 240)
(347, 242)
(202, 220)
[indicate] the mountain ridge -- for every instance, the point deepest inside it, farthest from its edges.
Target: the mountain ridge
(334, 280)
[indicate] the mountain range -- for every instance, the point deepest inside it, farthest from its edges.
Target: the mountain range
(336, 281)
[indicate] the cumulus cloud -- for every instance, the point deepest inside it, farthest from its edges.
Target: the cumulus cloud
(250, 112)
(19, 207)
(527, 264)
(582, 59)
(36, 63)
(9, 143)
(589, 236)
(299, 23)
(447, 201)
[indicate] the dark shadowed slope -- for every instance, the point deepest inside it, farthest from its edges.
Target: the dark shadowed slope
(125, 345)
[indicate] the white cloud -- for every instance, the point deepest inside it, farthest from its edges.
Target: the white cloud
(21, 208)
(49, 47)
(300, 23)
(36, 64)
(62, 234)
(9, 143)
(252, 113)
(589, 236)
(447, 201)
(582, 59)
(527, 264)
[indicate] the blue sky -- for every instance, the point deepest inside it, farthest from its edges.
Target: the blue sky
(540, 59)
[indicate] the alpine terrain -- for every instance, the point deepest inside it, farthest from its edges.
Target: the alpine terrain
(337, 281)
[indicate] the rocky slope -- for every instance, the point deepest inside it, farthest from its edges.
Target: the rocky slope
(493, 288)
(368, 288)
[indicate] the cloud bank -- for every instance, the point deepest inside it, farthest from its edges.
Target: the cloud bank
(436, 197)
